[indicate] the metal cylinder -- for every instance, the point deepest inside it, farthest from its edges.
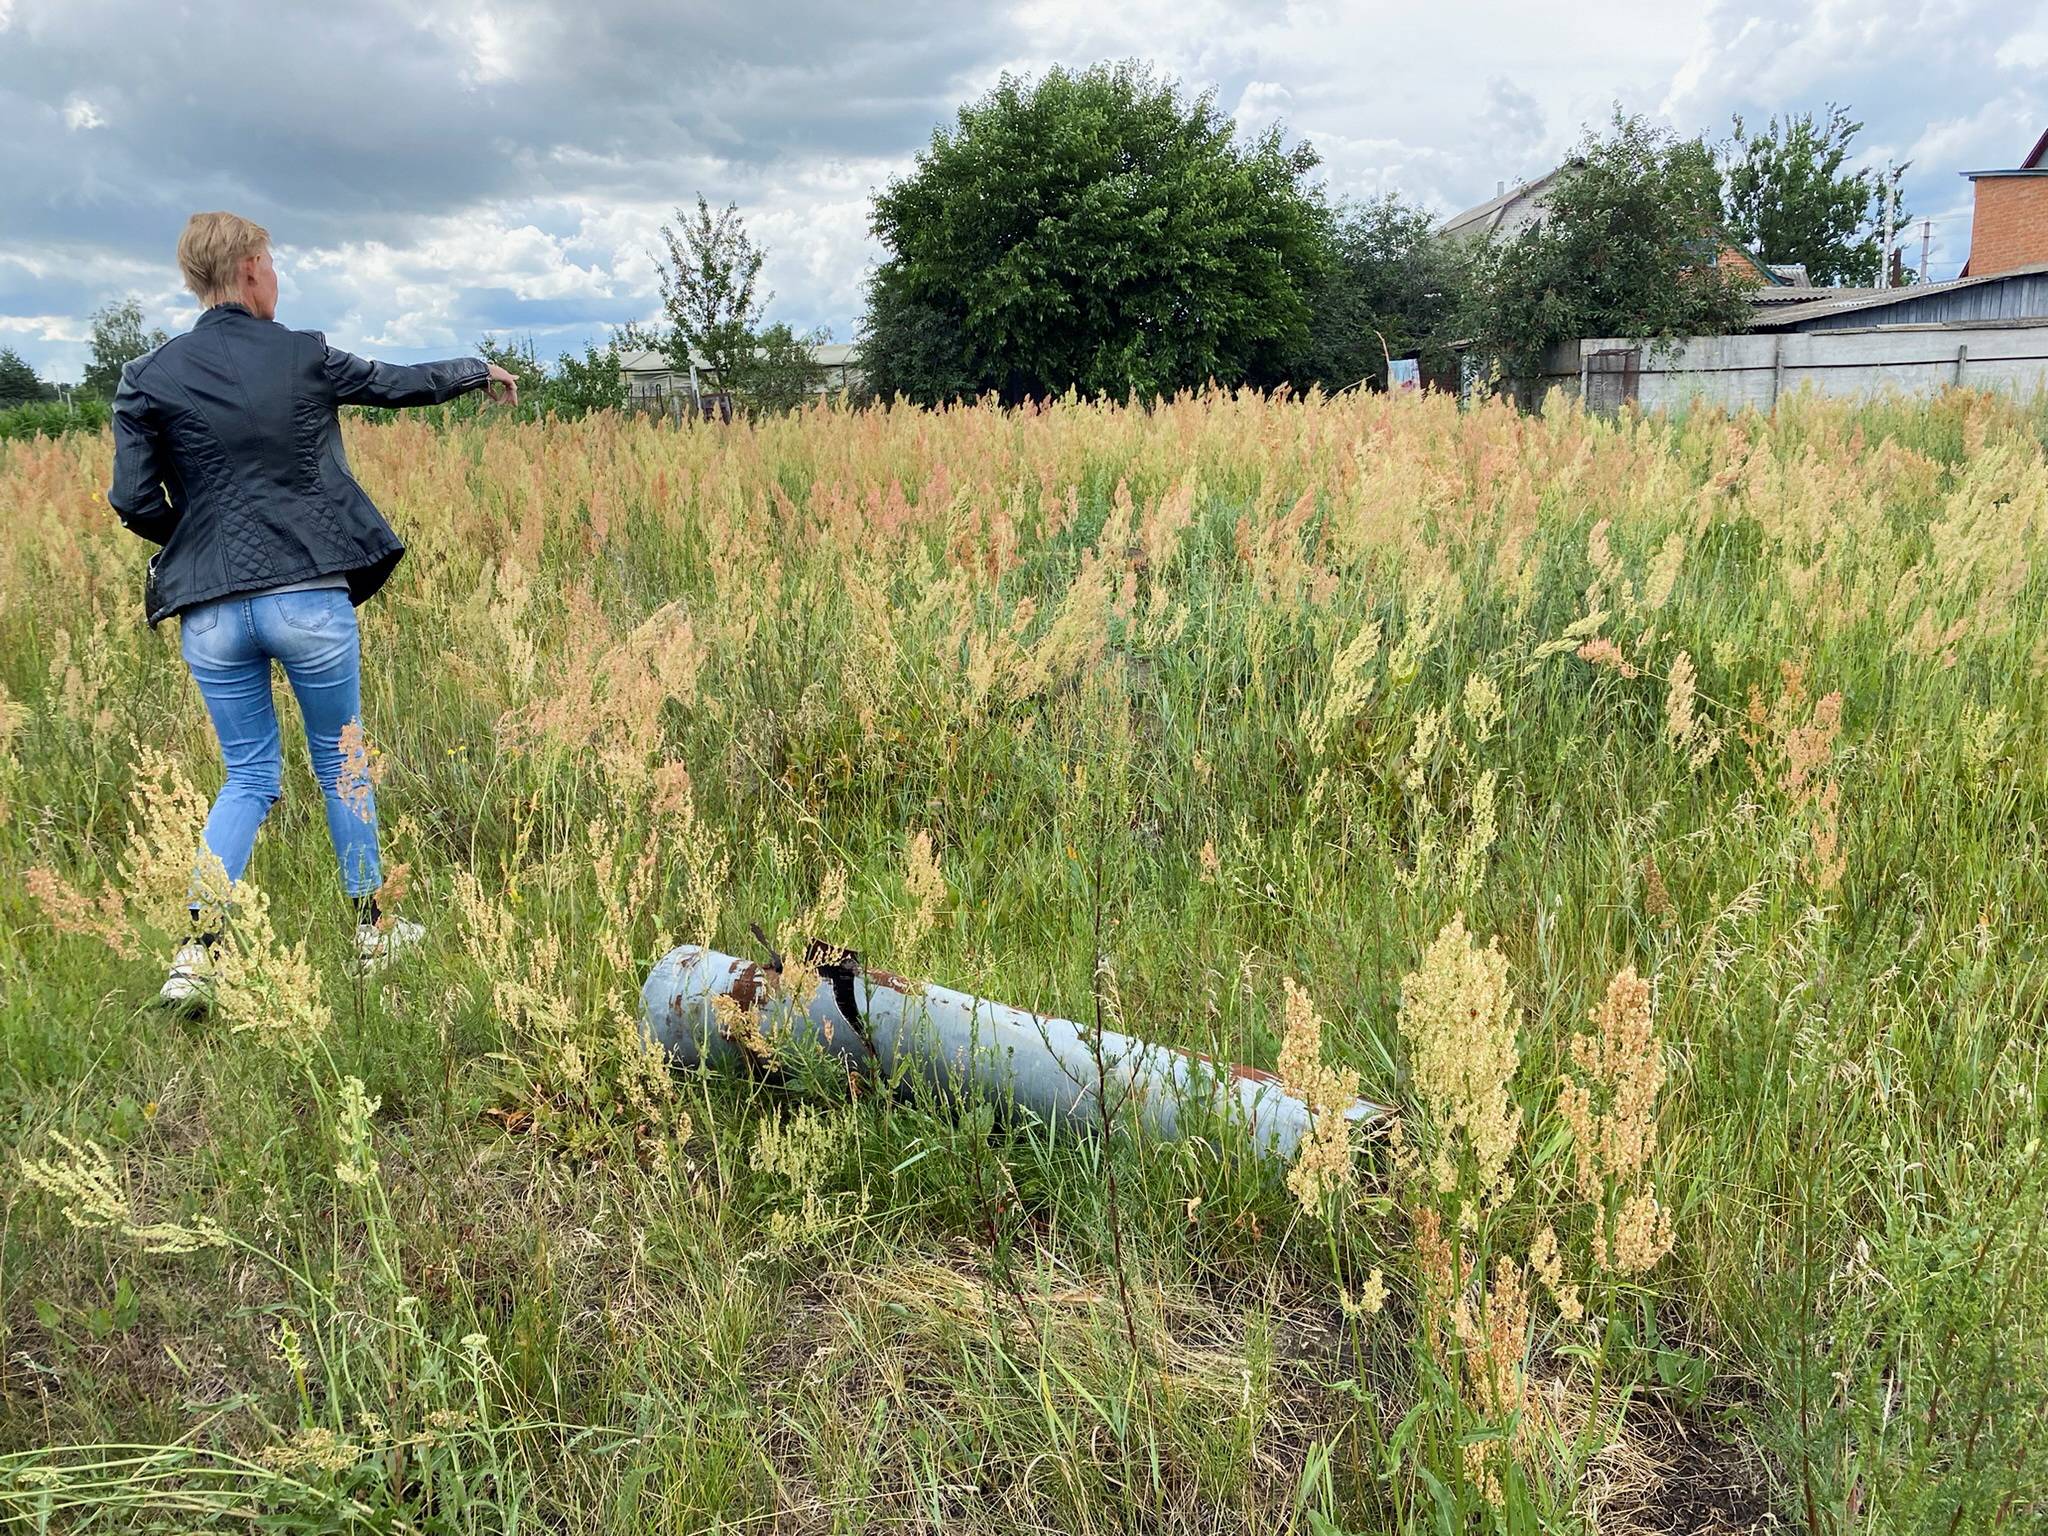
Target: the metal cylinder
(956, 1043)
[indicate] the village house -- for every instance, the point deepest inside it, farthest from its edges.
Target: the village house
(653, 381)
(1987, 327)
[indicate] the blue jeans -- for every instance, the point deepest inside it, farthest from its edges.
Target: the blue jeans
(229, 646)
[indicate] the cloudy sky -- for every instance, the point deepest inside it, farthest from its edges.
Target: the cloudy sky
(432, 170)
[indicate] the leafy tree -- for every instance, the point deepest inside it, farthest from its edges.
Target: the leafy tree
(519, 359)
(1790, 198)
(1098, 231)
(911, 348)
(588, 383)
(117, 340)
(578, 385)
(18, 382)
(780, 374)
(708, 283)
(1628, 246)
(1393, 285)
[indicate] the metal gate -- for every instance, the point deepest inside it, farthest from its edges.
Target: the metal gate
(1611, 376)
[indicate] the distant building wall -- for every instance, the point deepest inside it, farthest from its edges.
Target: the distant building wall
(2010, 226)
(1752, 370)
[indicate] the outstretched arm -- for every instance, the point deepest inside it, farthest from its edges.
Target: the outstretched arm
(144, 481)
(358, 381)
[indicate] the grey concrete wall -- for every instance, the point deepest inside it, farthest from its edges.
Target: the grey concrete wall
(1747, 370)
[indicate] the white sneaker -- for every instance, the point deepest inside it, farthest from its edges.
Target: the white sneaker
(191, 979)
(376, 946)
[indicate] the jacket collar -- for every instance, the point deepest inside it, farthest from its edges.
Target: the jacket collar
(220, 312)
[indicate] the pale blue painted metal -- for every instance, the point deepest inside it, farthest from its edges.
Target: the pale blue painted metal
(954, 1042)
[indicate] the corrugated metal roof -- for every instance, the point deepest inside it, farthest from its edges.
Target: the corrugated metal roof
(1855, 300)
(1778, 298)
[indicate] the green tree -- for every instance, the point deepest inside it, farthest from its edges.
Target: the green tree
(1790, 198)
(1393, 285)
(118, 338)
(18, 382)
(709, 278)
(780, 374)
(912, 348)
(1628, 246)
(1098, 231)
(588, 383)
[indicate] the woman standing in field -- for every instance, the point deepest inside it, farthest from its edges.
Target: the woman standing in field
(227, 453)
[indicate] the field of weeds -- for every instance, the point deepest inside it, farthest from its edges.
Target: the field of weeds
(1652, 812)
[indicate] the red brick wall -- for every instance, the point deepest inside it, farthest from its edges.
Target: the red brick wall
(2010, 228)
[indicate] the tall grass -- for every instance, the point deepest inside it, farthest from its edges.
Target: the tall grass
(1651, 810)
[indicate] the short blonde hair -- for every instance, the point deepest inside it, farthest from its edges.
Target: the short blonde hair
(210, 248)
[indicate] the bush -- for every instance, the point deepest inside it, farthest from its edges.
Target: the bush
(51, 419)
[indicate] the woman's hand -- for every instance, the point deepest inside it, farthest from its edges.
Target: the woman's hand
(502, 387)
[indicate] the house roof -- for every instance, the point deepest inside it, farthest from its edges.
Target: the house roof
(1486, 218)
(830, 354)
(1779, 298)
(1845, 300)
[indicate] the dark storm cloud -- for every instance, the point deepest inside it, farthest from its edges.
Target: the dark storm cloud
(341, 123)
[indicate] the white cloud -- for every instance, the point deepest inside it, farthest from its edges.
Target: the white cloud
(2028, 50)
(81, 114)
(46, 327)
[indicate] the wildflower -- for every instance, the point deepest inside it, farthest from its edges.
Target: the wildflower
(1678, 716)
(1603, 652)
(1492, 1335)
(1548, 1266)
(1656, 896)
(1663, 573)
(743, 1028)
(290, 1348)
(1482, 705)
(163, 852)
(1471, 861)
(264, 986)
(1611, 1107)
(1458, 1017)
(1322, 1162)
(1372, 1296)
(357, 1167)
(926, 887)
(1350, 685)
(397, 883)
(83, 1181)
(314, 1449)
(1808, 749)
(1428, 724)
(803, 1151)
(69, 910)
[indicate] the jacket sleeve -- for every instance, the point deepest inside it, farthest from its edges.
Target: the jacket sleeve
(141, 468)
(358, 381)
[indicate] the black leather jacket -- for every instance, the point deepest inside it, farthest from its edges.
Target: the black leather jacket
(228, 454)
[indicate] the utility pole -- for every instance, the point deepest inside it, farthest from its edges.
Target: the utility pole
(1926, 235)
(1884, 256)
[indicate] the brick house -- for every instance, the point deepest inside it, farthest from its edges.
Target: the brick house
(2009, 227)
